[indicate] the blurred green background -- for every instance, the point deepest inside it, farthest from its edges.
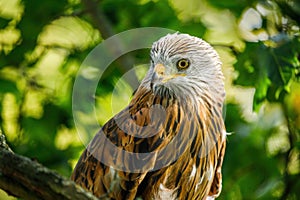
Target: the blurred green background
(43, 43)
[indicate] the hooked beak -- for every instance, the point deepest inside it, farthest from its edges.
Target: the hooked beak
(160, 71)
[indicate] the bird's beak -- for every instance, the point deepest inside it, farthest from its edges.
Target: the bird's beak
(160, 70)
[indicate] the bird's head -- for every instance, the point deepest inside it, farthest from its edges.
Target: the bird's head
(184, 66)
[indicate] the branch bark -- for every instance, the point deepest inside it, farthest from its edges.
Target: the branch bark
(22, 177)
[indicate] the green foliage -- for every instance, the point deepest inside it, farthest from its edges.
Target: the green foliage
(43, 43)
(270, 70)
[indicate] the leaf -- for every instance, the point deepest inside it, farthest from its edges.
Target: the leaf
(30, 27)
(269, 70)
(252, 67)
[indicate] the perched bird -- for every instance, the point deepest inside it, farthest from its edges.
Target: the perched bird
(169, 142)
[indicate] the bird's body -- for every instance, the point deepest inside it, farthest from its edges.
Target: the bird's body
(175, 116)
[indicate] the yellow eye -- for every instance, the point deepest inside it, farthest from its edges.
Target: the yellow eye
(183, 64)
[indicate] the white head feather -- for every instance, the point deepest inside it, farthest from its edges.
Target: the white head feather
(202, 77)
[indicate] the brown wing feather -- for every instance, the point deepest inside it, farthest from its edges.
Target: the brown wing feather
(196, 174)
(92, 175)
(216, 186)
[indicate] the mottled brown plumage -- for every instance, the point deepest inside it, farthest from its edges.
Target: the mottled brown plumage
(176, 117)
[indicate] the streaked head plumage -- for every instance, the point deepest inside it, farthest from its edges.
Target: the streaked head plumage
(184, 65)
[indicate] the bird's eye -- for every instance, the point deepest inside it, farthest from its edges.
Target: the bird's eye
(183, 64)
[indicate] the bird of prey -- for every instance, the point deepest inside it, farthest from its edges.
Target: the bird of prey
(169, 142)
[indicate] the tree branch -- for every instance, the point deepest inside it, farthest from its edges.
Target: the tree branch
(22, 177)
